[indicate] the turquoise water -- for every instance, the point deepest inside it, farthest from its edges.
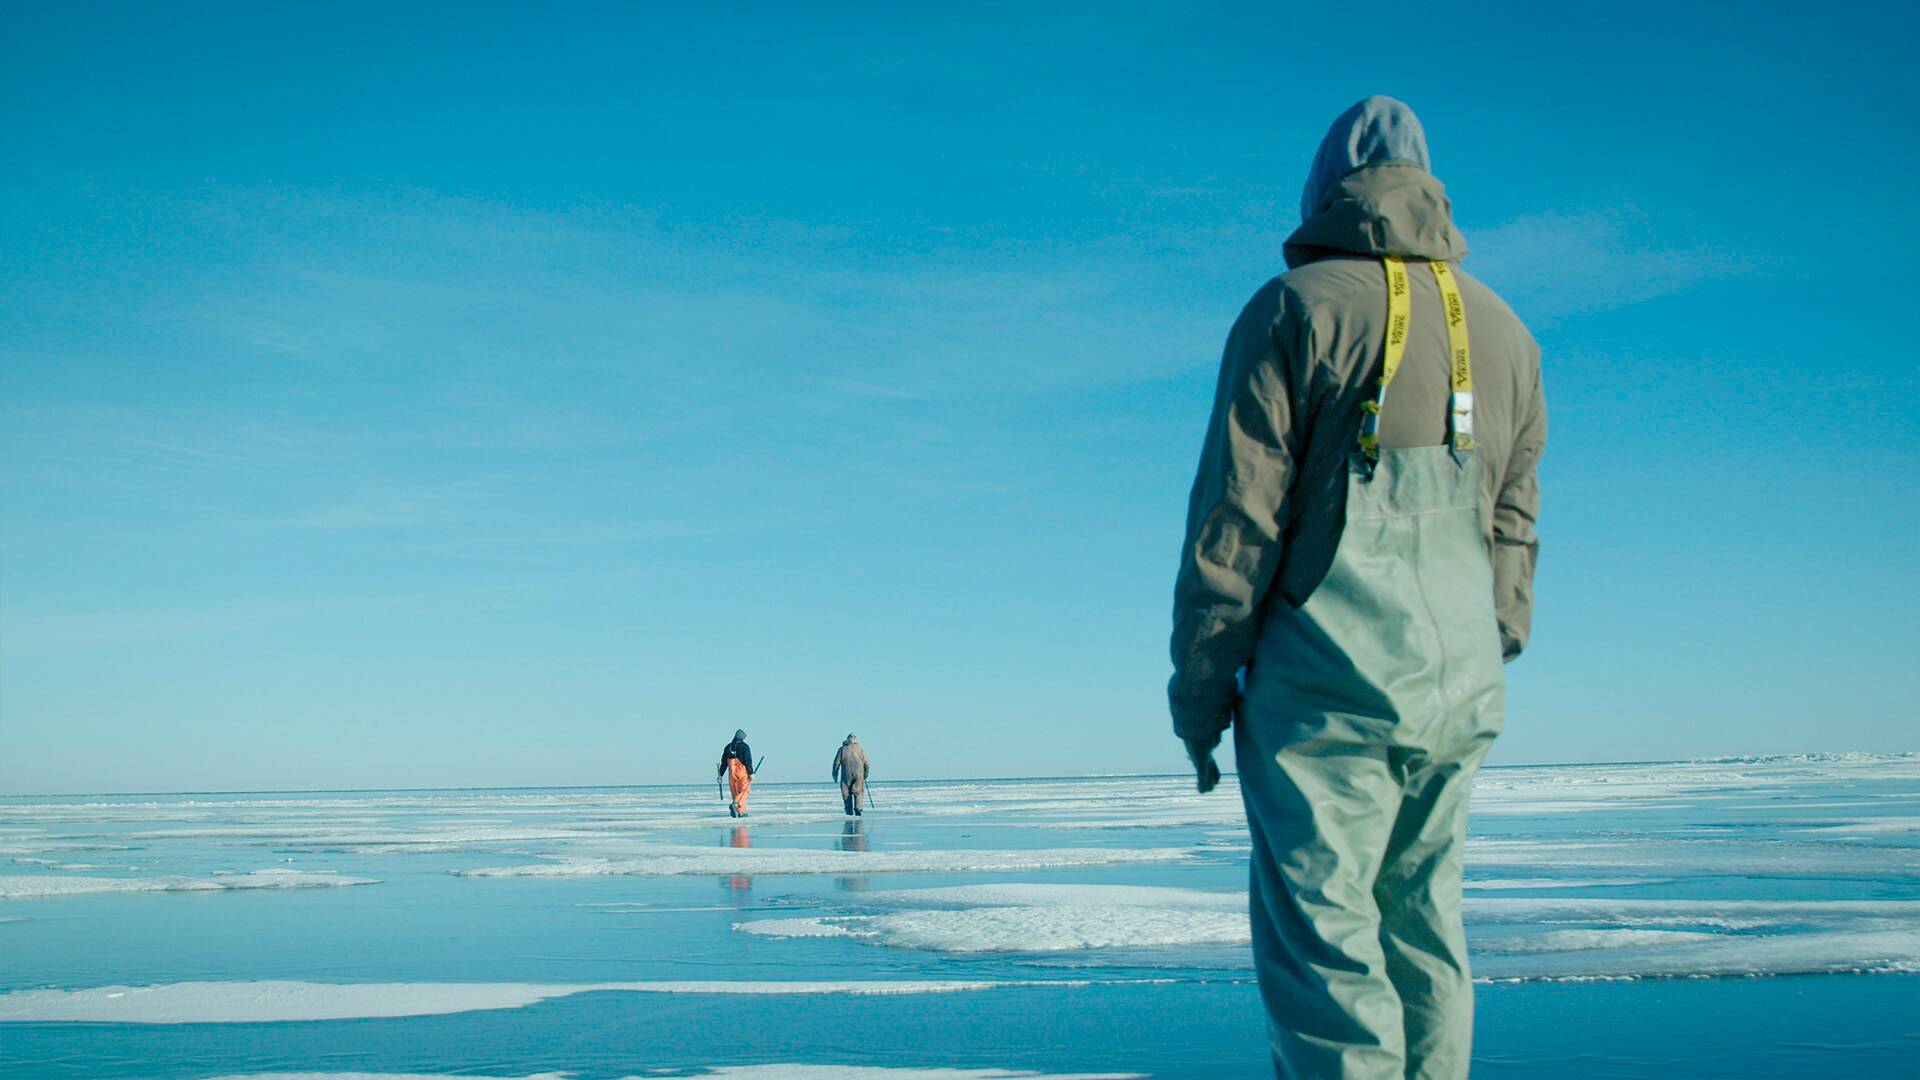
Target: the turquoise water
(1751, 917)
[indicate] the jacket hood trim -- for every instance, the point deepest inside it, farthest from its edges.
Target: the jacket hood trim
(1394, 208)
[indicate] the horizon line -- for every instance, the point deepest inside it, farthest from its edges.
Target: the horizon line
(902, 780)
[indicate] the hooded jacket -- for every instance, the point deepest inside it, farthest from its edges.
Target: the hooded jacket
(850, 765)
(1268, 501)
(738, 750)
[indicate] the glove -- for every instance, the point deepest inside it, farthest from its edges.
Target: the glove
(1200, 752)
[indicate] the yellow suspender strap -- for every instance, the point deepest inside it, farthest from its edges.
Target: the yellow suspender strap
(1398, 300)
(1460, 404)
(1460, 411)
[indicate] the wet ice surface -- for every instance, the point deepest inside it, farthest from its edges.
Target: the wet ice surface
(966, 930)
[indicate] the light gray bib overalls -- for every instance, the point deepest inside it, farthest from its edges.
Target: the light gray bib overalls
(1367, 711)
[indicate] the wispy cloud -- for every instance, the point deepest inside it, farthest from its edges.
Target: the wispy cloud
(459, 285)
(1554, 265)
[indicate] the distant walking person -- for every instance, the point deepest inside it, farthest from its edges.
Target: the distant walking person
(850, 767)
(736, 764)
(1356, 569)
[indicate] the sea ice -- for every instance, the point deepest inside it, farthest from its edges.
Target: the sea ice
(736, 1073)
(663, 860)
(280, 1000)
(1031, 918)
(38, 887)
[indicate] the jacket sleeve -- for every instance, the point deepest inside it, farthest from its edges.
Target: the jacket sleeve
(1516, 509)
(1235, 517)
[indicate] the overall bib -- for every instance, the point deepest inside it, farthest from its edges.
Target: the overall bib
(739, 785)
(1366, 712)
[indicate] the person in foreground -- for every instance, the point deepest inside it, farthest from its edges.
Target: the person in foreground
(850, 769)
(736, 764)
(1357, 567)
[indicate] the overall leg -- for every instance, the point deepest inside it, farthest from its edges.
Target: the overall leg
(741, 782)
(1321, 815)
(1418, 893)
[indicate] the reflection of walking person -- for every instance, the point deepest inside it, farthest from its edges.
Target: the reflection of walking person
(1364, 563)
(739, 839)
(853, 836)
(736, 764)
(850, 767)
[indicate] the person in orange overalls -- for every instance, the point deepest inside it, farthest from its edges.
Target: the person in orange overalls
(736, 764)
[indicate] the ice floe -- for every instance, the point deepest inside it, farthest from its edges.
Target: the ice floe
(281, 1000)
(1487, 884)
(1030, 918)
(782, 1071)
(1578, 938)
(42, 887)
(1696, 855)
(665, 860)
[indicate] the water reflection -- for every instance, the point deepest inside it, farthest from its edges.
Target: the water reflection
(853, 837)
(738, 838)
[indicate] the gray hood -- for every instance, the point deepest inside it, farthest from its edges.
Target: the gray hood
(1374, 131)
(1387, 204)
(1381, 210)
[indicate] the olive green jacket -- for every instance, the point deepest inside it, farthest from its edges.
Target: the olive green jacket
(850, 765)
(1268, 503)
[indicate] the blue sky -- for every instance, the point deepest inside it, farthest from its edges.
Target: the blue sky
(464, 396)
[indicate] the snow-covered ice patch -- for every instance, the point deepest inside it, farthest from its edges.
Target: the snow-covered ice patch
(891, 1073)
(1560, 883)
(281, 1000)
(1030, 918)
(1577, 940)
(663, 861)
(782, 1071)
(1595, 938)
(42, 887)
(1021, 929)
(1674, 856)
(1023, 894)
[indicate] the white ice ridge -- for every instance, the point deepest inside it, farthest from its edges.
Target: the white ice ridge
(1670, 856)
(1587, 938)
(1031, 918)
(875, 1072)
(1558, 883)
(276, 1000)
(663, 860)
(1560, 789)
(42, 887)
(736, 1073)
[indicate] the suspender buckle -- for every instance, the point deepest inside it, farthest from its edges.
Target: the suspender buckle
(1461, 416)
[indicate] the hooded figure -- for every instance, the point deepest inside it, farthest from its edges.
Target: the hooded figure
(850, 769)
(736, 764)
(1357, 566)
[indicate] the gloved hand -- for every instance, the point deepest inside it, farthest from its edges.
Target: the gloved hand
(1200, 752)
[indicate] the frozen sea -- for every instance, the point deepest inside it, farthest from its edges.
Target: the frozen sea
(1749, 917)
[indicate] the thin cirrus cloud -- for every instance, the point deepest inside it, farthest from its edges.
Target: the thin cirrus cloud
(1554, 265)
(438, 280)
